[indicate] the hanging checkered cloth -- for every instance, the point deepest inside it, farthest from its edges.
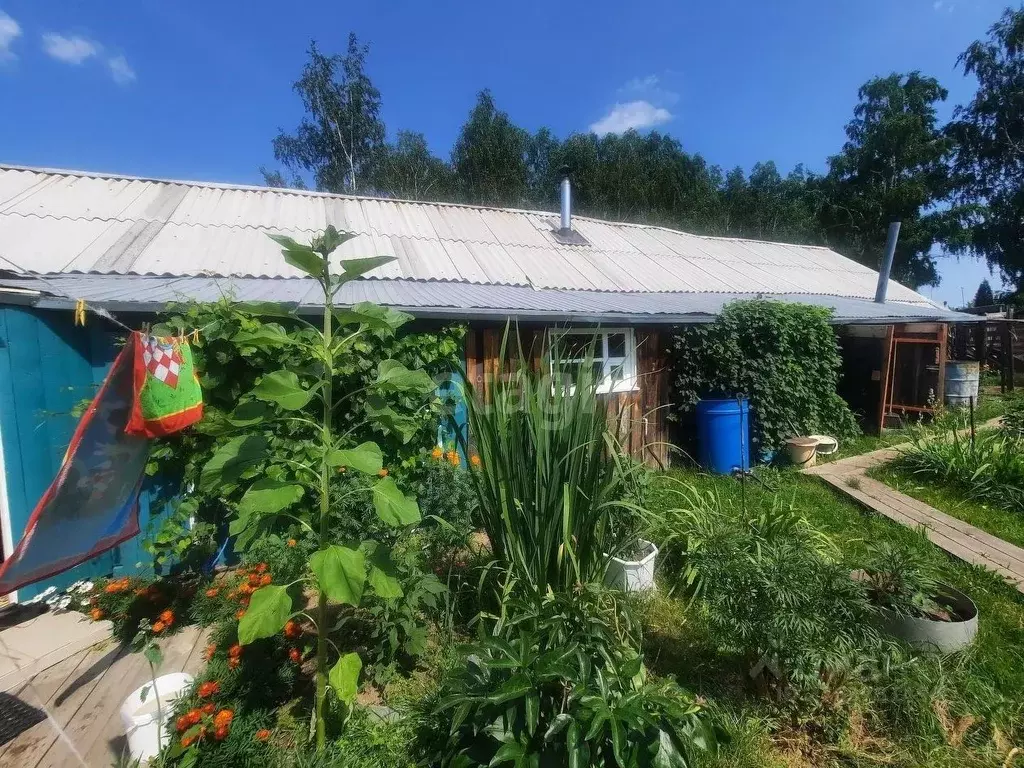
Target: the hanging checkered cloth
(167, 393)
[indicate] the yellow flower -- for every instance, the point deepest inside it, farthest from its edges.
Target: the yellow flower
(383, 473)
(437, 453)
(453, 458)
(474, 460)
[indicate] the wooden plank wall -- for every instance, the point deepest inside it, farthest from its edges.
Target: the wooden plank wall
(638, 418)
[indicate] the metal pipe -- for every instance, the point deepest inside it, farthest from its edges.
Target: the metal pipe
(890, 252)
(566, 201)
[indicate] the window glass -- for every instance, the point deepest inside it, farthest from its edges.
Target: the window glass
(611, 354)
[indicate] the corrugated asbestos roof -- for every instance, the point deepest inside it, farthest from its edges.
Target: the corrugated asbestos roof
(440, 299)
(69, 222)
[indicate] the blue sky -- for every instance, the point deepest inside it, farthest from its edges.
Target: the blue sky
(196, 90)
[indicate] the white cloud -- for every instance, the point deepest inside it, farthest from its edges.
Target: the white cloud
(70, 50)
(632, 114)
(9, 32)
(942, 5)
(121, 70)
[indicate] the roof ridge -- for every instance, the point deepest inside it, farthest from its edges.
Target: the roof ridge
(227, 186)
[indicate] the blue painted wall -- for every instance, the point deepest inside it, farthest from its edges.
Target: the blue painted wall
(47, 367)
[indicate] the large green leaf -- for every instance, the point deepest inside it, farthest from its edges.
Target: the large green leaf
(266, 335)
(372, 316)
(283, 388)
(341, 573)
(300, 256)
(365, 457)
(383, 576)
(249, 414)
(232, 459)
(357, 267)
(394, 507)
(269, 497)
(392, 376)
(344, 677)
(268, 612)
(388, 419)
(666, 755)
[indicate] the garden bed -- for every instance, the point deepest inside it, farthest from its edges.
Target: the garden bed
(928, 712)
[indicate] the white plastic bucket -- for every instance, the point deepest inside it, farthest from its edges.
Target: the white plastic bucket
(140, 716)
(633, 575)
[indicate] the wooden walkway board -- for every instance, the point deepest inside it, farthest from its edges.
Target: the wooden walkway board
(956, 537)
(83, 696)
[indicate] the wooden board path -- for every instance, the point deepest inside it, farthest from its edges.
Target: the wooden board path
(970, 544)
(83, 696)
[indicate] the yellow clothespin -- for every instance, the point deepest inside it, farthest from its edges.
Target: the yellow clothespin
(195, 336)
(80, 312)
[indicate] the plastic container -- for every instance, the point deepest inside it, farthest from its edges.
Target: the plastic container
(802, 451)
(962, 379)
(723, 435)
(140, 716)
(633, 575)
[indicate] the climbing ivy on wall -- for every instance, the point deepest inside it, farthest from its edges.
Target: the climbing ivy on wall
(784, 357)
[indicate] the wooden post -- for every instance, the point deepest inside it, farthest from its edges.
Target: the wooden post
(981, 342)
(883, 397)
(940, 388)
(1011, 364)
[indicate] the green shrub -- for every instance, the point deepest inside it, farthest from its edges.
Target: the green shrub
(902, 579)
(773, 590)
(989, 470)
(447, 500)
(557, 685)
(784, 357)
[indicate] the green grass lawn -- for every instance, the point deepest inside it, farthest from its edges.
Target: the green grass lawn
(1004, 523)
(897, 722)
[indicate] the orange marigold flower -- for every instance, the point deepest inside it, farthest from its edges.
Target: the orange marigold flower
(240, 614)
(158, 627)
(233, 663)
(221, 733)
(261, 568)
(244, 590)
(292, 542)
(224, 717)
(254, 580)
(295, 655)
(182, 724)
(232, 595)
(474, 460)
(167, 617)
(235, 651)
(96, 614)
(453, 458)
(437, 453)
(244, 602)
(208, 708)
(208, 689)
(383, 472)
(292, 630)
(210, 650)
(112, 588)
(267, 580)
(262, 734)
(193, 717)
(188, 741)
(212, 592)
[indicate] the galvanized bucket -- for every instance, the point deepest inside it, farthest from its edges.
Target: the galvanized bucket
(962, 377)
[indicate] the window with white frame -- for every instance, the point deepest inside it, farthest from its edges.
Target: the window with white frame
(612, 353)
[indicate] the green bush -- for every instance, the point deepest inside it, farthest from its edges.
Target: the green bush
(447, 499)
(774, 590)
(557, 684)
(784, 357)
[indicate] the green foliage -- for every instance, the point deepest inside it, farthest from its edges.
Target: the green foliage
(773, 590)
(989, 469)
(902, 579)
(551, 479)
(989, 135)
(179, 543)
(893, 167)
(782, 356)
(555, 687)
(447, 499)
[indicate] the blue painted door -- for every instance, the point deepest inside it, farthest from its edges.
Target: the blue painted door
(47, 368)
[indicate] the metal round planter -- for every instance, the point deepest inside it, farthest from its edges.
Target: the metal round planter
(933, 635)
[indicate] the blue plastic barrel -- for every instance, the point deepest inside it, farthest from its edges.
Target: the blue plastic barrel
(723, 435)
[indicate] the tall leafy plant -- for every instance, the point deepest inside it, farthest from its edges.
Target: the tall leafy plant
(339, 573)
(552, 479)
